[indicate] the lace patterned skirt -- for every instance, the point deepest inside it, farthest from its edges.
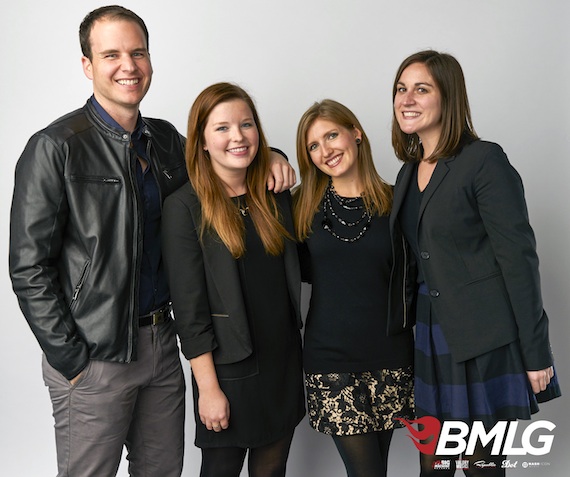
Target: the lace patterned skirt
(344, 404)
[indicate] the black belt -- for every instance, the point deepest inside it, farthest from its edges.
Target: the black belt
(155, 317)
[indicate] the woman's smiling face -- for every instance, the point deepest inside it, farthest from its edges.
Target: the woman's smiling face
(417, 104)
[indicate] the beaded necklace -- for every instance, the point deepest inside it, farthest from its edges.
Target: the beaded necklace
(346, 203)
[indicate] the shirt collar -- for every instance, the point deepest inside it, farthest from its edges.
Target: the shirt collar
(139, 129)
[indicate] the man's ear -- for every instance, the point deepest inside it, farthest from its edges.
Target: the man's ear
(87, 67)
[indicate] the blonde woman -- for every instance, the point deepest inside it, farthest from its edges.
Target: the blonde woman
(358, 341)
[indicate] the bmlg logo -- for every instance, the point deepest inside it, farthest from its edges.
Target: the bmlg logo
(455, 437)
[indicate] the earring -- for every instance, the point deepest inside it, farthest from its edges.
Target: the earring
(357, 140)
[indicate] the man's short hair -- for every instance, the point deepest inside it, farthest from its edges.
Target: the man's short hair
(111, 12)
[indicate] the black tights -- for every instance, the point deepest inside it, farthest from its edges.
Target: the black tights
(265, 461)
(365, 455)
(481, 454)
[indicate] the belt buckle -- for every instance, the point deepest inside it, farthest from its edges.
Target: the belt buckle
(159, 316)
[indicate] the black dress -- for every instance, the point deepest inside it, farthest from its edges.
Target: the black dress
(265, 390)
(358, 379)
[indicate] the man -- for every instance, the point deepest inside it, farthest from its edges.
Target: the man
(86, 265)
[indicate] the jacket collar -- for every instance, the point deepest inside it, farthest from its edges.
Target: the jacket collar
(406, 176)
(407, 173)
(441, 169)
(106, 122)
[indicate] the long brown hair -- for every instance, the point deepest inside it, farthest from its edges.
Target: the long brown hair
(219, 213)
(455, 112)
(376, 194)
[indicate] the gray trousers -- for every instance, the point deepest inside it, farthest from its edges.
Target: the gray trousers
(138, 404)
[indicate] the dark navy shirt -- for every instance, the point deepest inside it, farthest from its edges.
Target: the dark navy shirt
(153, 288)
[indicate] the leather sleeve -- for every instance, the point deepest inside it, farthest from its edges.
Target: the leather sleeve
(37, 226)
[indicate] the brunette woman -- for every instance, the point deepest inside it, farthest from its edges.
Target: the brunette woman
(482, 347)
(235, 283)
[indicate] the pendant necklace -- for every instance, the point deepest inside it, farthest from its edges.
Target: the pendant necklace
(239, 200)
(242, 206)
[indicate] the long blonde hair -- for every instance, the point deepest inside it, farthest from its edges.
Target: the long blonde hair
(219, 213)
(376, 194)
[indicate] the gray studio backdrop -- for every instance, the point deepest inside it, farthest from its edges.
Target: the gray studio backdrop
(287, 55)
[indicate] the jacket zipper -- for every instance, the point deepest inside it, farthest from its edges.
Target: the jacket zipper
(168, 172)
(104, 180)
(134, 299)
(79, 284)
(404, 282)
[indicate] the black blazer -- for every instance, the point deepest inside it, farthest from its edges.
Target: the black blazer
(478, 255)
(204, 281)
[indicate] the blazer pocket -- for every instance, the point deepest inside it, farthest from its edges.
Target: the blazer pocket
(234, 358)
(489, 276)
(234, 342)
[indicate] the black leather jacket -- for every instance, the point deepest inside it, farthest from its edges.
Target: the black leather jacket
(76, 235)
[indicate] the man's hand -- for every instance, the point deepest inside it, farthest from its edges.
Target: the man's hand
(74, 380)
(281, 175)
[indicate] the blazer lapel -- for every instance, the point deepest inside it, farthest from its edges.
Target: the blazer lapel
(439, 173)
(224, 272)
(222, 266)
